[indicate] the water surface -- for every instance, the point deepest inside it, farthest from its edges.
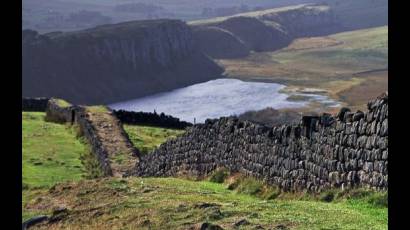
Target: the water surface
(216, 98)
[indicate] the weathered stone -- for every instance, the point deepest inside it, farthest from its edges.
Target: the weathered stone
(342, 112)
(343, 153)
(358, 115)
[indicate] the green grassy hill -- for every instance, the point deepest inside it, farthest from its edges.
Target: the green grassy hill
(51, 154)
(169, 203)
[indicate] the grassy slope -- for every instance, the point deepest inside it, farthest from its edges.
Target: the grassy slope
(332, 68)
(360, 50)
(168, 203)
(146, 138)
(159, 203)
(51, 154)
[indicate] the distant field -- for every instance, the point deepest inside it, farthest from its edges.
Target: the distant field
(147, 138)
(169, 203)
(330, 63)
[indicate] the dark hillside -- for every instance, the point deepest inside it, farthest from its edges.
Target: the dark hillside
(272, 29)
(113, 62)
(266, 30)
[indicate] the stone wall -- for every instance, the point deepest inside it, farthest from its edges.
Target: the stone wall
(90, 133)
(154, 119)
(346, 150)
(34, 104)
(58, 113)
(77, 114)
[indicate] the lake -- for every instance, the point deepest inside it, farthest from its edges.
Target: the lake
(220, 97)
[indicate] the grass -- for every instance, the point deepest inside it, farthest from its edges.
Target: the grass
(310, 63)
(97, 109)
(62, 103)
(147, 138)
(169, 203)
(51, 154)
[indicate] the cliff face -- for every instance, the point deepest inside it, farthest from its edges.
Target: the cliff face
(268, 30)
(113, 62)
(222, 40)
(256, 35)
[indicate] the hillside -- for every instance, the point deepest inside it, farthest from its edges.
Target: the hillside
(112, 63)
(73, 195)
(65, 15)
(54, 153)
(362, 14)
(169, 203)
(272, 29)
(351, 67)
(266, 30)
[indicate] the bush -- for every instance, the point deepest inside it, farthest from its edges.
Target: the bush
(219, 176)
(234, 185)
(250, 186)
(327, 196)
(271, 193)
(379, 200)
(359, 193)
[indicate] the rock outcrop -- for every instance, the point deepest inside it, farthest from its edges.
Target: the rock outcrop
(112, 63)
(322, 152)
(34, 104)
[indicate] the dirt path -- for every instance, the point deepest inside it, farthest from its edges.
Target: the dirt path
(121, 153)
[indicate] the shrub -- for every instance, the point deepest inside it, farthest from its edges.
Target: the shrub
(234, 185)
(271, 193)
(359, 193)
(250, 186)
(327, 196)
(219, 175)
(379, 200)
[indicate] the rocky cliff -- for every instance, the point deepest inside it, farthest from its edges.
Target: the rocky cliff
(266, 30)
(111, 63)
(322, 152)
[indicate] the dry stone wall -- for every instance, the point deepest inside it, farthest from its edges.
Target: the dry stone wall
(60, 114)
(63, 114)
(34, 104)
(154, 119)
(90, 133)
(346, 150)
